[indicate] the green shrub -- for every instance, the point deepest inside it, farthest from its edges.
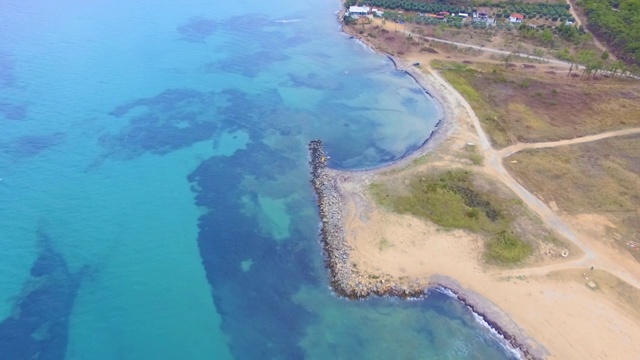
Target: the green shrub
(506, 248)
(449, 200)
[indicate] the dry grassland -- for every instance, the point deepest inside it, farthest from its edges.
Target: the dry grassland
(608, 286)
(518, 105)
(599, 177)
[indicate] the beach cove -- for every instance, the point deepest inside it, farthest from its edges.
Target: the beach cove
(546, 304)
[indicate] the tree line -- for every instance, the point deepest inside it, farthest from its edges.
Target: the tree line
(531, 10)
(617, 23)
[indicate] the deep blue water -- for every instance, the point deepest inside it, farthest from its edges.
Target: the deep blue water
(155, 190)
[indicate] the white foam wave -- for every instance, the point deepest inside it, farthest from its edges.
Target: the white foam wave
(496, 335)
(446, 291)
(284, 21)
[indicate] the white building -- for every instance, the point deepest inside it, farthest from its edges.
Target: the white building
(377, 12)
(516, 18)
(358, 11)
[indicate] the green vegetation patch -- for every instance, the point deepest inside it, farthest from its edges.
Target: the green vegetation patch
(384, 244)
(507, 248)
(453, 200)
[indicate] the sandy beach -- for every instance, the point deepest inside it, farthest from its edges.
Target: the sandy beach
(546, 304)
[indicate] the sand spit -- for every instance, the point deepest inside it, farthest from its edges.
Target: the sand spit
(348, 282)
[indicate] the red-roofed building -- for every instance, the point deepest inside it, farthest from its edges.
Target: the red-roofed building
(516, 18)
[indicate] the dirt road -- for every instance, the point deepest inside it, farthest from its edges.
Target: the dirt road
(579, 22)
(494, 167)
(477, 47)
(510, 150)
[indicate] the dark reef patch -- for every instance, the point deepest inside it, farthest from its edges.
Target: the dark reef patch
(178, 118)
(256, 42)
(248, 64)
(197, 29)
(262, 31)
(7, 66)
(313, 81)
(410, 104)
(258, 312)
(173, 119)
(38, 326)
(168, 100)
(31, 145)
(13, 112)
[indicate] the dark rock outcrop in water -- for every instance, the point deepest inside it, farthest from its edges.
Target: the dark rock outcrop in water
(38, 325)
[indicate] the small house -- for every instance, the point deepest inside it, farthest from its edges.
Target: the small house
(516, 18)
(463, 15)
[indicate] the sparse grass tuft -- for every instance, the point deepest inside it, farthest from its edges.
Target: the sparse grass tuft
(476, 158)
(384, 244)
(471, 153)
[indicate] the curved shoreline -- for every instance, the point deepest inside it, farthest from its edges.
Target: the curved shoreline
(433, 139)
(437, 127)
(346, 281)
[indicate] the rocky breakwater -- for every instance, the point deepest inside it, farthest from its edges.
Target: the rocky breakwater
(332, 230)
(345, 279)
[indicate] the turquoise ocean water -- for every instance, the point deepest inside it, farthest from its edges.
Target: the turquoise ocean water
(155, 196)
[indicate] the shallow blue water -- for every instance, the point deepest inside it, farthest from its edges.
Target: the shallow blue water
(155, 192)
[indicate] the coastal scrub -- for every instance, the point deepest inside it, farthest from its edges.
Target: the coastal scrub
(455, 199)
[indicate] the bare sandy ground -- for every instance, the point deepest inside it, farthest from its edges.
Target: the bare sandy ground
(548, 300)
(558, 310)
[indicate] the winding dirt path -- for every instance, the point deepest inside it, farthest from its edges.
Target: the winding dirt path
(494, 167)
(510, 150)
(389, 26)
